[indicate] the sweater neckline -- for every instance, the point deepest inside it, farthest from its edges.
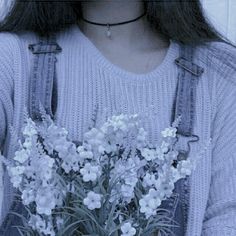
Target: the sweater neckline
(161, 70)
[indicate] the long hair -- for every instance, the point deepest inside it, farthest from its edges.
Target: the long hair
(181, 20)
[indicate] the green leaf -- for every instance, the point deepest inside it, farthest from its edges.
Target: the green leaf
(71, 227)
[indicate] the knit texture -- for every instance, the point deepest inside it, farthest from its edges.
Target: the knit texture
(91, 87)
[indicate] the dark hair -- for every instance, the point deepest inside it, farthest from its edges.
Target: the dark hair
(181, 20)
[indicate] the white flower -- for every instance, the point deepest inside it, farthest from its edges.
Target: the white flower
(74, 159)
(119, 129)
(149, 180)
(45, 201)
(92, 201)
(94, 137)
(127, 229)
(171, 156)
(149, 203)
(28, 142)
(164, 147)
(49, 230)
(127, 191)
(36, 222)
(16, 181)
(39, 162)
(148, 154)
(30, 128)
(70, 157)
(117, 122)
(44, 167)
(185, 167)
(160, 154)
(60, 222)
(131, 179)
(66, 166)
(175, 174)
(169, 132)
(102, 149)
(46, 174)
(142, 135)
(83, 153)
(28, 196)
(55, 138)
(17, 170)
(89, 172)
(41, 225)
(115, 194)
(166, 187)
(63, 148)
(21, 156)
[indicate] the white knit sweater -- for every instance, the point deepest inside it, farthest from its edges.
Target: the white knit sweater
(87, 80)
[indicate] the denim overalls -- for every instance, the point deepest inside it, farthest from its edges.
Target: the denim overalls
(42, 90)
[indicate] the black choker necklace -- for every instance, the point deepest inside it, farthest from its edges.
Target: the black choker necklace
(108, 25)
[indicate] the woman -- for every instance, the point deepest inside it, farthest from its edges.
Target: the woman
(130, 67)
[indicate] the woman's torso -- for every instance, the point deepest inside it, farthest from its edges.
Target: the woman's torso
(90, 86)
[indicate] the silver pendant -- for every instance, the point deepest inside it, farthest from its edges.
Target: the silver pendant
(108, 33)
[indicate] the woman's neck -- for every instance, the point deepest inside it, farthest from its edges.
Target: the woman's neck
(112, 11)
(134, 46)
(135, 35)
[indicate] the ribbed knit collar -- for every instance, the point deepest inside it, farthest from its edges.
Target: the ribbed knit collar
(160, 70)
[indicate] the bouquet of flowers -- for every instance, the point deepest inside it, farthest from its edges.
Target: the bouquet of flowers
(111, 183)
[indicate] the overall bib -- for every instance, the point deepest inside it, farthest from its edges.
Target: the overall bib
(43, 90)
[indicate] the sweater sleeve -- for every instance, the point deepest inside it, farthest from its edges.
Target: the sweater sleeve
(6, 92)
(6, 82)
(220, 215)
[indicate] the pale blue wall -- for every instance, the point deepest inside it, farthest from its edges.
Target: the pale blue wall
(222, 14)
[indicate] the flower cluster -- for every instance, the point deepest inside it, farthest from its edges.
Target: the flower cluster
(113, 177)
(34, 173)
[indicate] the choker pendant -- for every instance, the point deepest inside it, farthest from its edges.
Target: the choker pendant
(108, 33)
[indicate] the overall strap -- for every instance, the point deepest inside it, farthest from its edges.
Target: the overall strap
(184, 106)
(186, 90)
(42, 80)
(42, 85)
